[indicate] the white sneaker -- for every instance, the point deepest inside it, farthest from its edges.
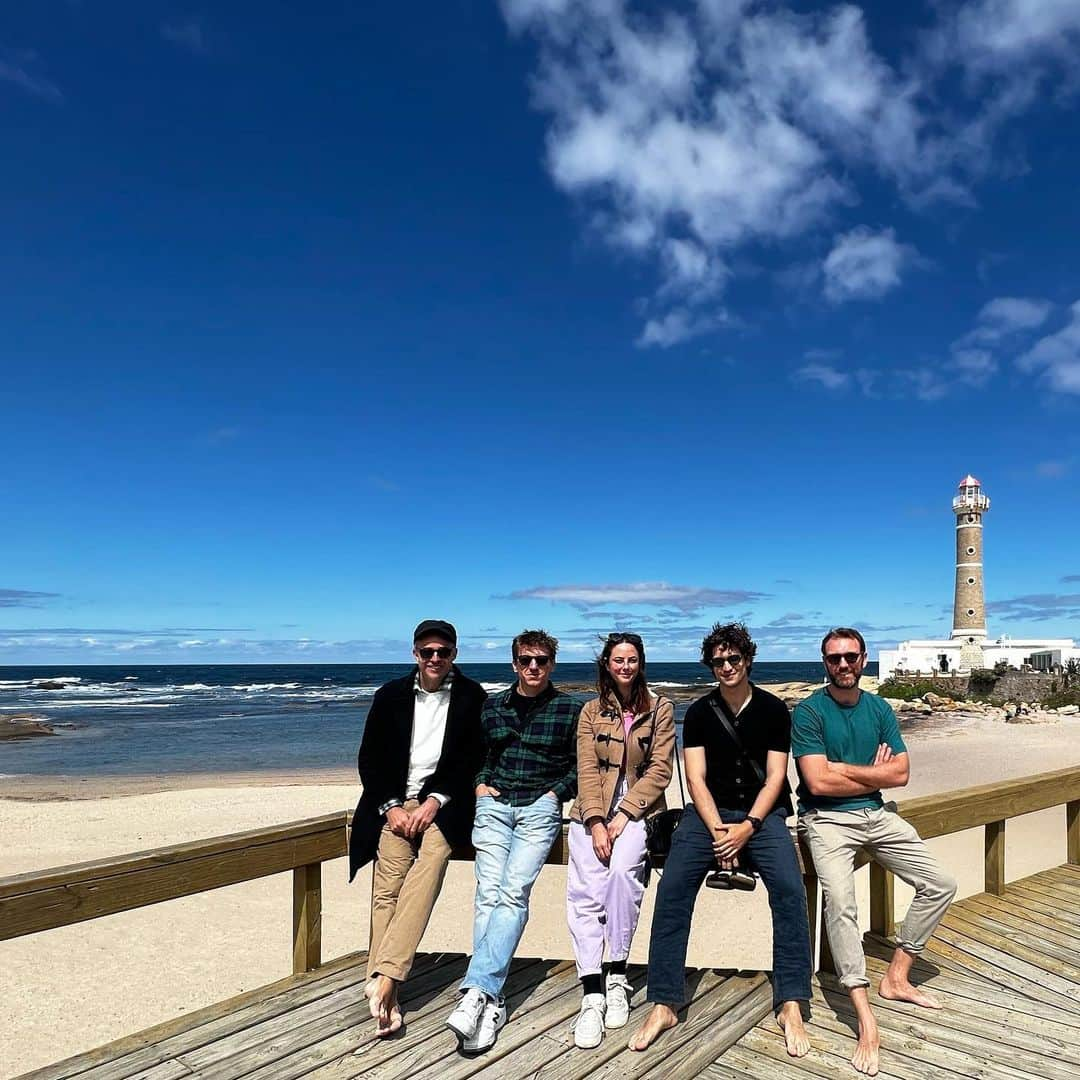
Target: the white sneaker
(589, 1026)
(465, 1019)
(618, 1001)
(491, 1022)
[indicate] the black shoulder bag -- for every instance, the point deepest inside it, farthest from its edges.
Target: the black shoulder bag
(660, 827)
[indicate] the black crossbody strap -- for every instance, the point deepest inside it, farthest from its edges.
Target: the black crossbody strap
(729, 727)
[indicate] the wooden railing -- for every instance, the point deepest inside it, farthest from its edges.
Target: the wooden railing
(989, 806)
(46, 899)
(50, 898)
(30, 903)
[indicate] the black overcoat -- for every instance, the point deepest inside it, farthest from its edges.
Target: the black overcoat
(383, 763)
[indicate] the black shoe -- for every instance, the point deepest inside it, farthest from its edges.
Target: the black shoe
(719, 879)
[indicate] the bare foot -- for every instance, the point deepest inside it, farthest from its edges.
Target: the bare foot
(901, 990)
(389, 1022)
(383, 1003)
(865, 1058)
(661, 1018)
(791, 1024)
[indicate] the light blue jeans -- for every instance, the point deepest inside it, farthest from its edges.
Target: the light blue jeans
(512, 843)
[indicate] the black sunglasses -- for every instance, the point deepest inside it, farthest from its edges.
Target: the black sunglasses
(734, 659)
(834, 658)
(527, 661)
(443, 652)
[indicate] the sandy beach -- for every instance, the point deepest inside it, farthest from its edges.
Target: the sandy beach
(77, 987)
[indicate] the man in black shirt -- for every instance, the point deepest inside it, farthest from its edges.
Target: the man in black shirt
(736, 741)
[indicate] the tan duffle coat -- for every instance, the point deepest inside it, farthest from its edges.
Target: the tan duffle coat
(650, 749)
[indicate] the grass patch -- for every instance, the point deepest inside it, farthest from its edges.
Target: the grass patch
(1063, 697)
(910, 691)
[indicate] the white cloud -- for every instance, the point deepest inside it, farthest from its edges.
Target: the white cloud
(16, 70)
(1053, 470)
(924, 383)
(864, 265)
(1007, 315)
(684, 598)
(825, 374)
(677, 326)
(974, 358)
(1057, 356)
(737, 123)
(974, 366)
(24, 597)
(995, 34)
(187, 34)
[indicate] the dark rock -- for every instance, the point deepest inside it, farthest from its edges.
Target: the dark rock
(24, 727)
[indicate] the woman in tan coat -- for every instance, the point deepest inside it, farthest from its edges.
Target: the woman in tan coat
(625, 744)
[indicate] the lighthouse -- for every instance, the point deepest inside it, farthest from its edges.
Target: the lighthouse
(969, 601)
(969, 648)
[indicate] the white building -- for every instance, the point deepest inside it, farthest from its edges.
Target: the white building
(938, 656)
(969, 646)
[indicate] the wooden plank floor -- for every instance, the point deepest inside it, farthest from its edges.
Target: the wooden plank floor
(318, 1026)
(1007, 970)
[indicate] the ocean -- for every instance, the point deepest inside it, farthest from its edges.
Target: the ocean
(136, 720)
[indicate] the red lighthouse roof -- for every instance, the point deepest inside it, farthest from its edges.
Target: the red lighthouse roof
(969, 481)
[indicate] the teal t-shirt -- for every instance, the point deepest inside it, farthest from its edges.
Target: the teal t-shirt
(848, 733)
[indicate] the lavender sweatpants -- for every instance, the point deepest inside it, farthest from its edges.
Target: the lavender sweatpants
(603, 902)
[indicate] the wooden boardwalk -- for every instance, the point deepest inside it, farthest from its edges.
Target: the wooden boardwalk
(317, 1025)
(1006, 967)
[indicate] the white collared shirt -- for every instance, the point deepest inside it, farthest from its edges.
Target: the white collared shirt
(430, 710)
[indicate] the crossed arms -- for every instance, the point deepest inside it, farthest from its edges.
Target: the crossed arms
(838, 778)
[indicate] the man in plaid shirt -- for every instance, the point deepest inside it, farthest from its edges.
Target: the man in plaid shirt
(529, 771)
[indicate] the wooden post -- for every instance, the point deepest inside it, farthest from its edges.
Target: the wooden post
(307, 918)
(995, 857)
(882, 903)
(1072, 816)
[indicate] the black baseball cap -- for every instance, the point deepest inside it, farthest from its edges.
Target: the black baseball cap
(437, 627)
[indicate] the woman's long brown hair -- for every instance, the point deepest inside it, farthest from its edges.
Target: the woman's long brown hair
(640, 700)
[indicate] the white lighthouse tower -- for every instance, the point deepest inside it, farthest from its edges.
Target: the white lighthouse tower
(969, 598)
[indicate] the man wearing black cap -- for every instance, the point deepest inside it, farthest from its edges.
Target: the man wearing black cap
(421, 748)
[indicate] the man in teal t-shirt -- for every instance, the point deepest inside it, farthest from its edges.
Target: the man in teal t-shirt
(851, 734)
(847, 746)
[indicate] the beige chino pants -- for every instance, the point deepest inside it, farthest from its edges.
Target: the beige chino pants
(835, 838)
(408, 877)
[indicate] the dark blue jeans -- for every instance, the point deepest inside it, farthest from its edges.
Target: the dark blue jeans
(690, 860)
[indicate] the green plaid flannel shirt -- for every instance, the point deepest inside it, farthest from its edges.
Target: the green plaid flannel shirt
(524, 760)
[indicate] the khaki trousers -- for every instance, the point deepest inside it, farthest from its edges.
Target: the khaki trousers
(408, 877)
(835, 838)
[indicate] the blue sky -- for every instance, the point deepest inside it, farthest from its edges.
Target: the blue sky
(574, 314)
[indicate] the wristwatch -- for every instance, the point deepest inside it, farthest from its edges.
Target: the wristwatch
(755, 822)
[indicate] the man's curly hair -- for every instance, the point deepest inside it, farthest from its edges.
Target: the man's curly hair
(735, 636)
